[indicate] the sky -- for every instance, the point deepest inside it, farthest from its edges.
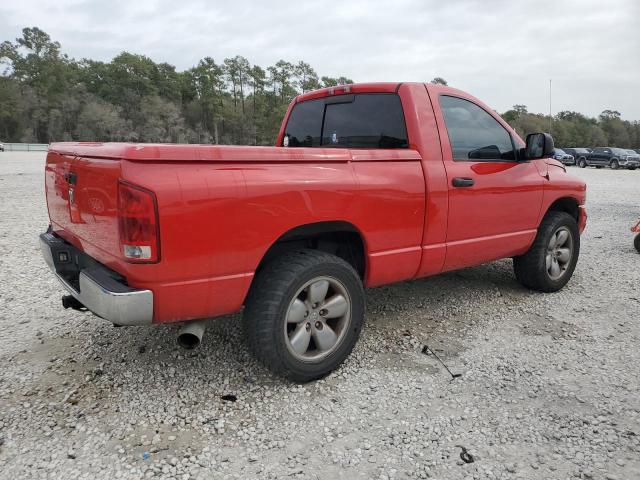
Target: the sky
(503, 52)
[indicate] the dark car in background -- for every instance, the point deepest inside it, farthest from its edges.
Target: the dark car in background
(579, 153)
(565, 157)
(611, 157)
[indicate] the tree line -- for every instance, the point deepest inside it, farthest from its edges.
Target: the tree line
(573, 129)
(46, 96)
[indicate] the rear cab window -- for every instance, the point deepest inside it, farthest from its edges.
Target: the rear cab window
(365, 120)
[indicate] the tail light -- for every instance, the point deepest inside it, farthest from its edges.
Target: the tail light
(138, 224)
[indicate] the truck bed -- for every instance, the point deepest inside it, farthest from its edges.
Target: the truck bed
(222, 207)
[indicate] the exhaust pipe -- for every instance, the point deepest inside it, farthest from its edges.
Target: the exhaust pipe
(190, 334)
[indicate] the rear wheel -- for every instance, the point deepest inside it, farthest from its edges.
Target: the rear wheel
(304, 314)
(551, 260)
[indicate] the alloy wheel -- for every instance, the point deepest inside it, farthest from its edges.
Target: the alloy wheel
(317, 319)
(559, 253)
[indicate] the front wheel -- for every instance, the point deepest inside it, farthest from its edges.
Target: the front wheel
(549, 264)
(582, 163)
(304, 314)
(614, 164)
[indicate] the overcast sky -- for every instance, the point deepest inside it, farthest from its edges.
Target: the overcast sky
(503, 52)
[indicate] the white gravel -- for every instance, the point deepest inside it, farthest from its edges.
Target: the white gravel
(549, 385)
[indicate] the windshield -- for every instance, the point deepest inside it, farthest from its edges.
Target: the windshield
(559, 151)
(619, 151)
(632, 152)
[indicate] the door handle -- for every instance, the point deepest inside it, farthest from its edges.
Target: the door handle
(462, 182)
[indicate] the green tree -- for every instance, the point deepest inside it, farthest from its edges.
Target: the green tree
(101, 120)
(307, 77)
(283, 73)
(615, 129)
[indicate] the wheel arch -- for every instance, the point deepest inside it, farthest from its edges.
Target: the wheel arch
(338, 237)
(565, 204)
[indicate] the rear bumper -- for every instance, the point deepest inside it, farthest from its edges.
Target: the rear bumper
(95, 286)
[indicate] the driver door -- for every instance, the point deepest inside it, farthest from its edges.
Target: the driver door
(494, 199)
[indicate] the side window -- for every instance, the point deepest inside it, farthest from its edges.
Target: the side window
(305, 124)
(371, 120)
(473, 133)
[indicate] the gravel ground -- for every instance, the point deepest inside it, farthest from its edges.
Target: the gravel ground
(548, 387)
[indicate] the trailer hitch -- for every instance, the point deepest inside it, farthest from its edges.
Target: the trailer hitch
(69, 301)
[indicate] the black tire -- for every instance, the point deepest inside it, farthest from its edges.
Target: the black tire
(614, 165)
(632, 168)
(582, 163)
(270, 297)
(531, 269)
(636, 242)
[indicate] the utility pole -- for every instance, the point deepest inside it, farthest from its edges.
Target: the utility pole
(550, 117)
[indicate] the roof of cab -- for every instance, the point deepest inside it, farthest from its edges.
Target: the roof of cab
(373, 87)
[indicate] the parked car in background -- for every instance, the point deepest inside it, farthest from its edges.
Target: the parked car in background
(578, 153)
(564, 157)
(633, 155)
(1, 147)
(611, 157)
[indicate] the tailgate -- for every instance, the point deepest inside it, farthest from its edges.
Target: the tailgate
(82, 198)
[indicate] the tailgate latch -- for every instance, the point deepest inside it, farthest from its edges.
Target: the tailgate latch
(71, 177)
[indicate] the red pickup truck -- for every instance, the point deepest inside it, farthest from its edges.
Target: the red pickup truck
(369, 184)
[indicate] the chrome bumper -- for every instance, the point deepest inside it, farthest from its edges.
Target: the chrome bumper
(98, 290)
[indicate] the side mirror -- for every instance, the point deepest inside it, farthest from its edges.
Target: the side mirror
(539, 145)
